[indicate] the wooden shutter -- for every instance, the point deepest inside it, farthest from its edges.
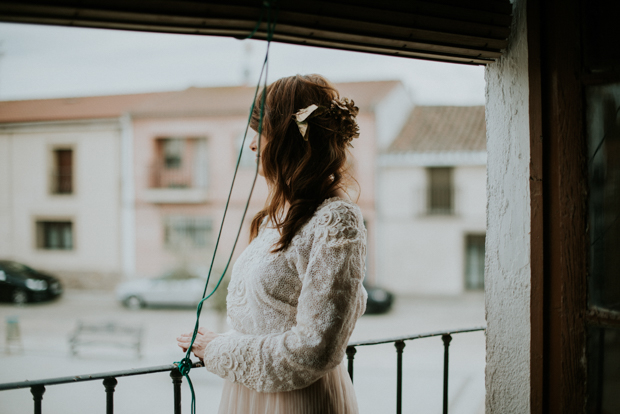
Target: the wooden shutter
(461, 31)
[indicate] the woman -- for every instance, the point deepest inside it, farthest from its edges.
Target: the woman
(296, 291)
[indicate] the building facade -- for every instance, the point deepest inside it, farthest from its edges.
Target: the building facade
(105, 188)
(431, 203)
(185, 151)
(60, 203)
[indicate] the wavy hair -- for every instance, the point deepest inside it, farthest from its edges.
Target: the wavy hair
(302, 171)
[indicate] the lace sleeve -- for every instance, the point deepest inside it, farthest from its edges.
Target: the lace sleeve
(331, 300)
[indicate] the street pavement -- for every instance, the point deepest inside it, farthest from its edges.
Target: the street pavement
(45, 353)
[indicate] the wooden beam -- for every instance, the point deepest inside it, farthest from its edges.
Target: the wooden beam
(450, 30)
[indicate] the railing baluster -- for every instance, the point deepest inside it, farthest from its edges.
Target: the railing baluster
(109, 384)
(37, 388)
(446, 338)
(350, 355)
(37, 395)
(400, 345)
(177, 379)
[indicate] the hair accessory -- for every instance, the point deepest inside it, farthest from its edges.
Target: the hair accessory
(345, 112)
(342, 112)
(302, 116)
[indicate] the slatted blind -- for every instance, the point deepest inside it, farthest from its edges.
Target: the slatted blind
(461, 31)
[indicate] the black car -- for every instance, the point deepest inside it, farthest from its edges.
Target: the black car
(379, 300)
(20, 284)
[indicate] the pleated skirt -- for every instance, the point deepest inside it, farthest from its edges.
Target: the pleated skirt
(332, 394)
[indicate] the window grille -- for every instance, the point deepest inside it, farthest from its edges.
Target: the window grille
(440, 191)
(62, 176)
(179, 163)
(172, 149)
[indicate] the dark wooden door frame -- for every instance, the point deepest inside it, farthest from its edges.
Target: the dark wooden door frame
(536, 209)
(558, 188)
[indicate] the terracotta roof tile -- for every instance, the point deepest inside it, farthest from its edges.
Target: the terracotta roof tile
(190, 102)
(442, 128)
(71, 108)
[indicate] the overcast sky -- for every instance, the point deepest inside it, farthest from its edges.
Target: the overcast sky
(47, 61)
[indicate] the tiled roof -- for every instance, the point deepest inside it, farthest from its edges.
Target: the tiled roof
(190, 102)
(442, 129)
(63, 109)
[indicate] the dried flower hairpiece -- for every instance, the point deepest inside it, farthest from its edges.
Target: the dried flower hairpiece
(343, 111)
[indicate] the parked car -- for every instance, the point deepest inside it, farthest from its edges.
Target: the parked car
(379, 300)
(20, 284)
(177, 288)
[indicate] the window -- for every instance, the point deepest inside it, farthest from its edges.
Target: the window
(440, 190)
(179, 163)
(55, 235)
(62, 176)
(172, 151)
(603, 333)
(188, 232)
(474, 262)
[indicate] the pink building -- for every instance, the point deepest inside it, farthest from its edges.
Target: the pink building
(185, 148)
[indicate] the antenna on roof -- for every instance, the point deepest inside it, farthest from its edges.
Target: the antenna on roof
(247, 61)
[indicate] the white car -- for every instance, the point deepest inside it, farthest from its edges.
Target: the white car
(172, 289)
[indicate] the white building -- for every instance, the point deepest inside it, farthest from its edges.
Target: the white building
(60, 186)
(431, 203)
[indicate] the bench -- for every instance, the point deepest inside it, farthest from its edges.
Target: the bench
(106, 334)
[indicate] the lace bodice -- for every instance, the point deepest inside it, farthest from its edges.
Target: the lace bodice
(292, 312)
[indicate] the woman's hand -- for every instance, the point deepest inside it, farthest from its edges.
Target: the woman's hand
(203, 337)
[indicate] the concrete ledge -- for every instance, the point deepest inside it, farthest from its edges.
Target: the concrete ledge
(176, 195)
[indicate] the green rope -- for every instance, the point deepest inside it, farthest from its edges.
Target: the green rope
(185, 365)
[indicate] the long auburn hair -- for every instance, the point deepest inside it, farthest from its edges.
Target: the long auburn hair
(302, 171)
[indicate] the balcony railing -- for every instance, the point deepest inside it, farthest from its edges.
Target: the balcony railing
(185, 184)
(440, 200)
(162, 177)
(62, 182)
(37, 388)
(399, 344)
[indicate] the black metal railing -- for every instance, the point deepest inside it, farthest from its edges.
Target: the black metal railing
(37, 388)
(62, 181)
(399, 344)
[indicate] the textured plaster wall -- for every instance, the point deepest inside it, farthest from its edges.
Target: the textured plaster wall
(418, 253)
(507, 281)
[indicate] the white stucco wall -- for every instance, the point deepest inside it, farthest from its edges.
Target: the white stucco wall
(391, 113)
(94, 206)
(421, 254)
(508, 220)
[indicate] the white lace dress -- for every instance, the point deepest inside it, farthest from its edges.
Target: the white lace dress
(292, 314)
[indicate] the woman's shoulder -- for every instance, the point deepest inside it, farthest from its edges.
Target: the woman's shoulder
(338, 206)
(338, 218)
